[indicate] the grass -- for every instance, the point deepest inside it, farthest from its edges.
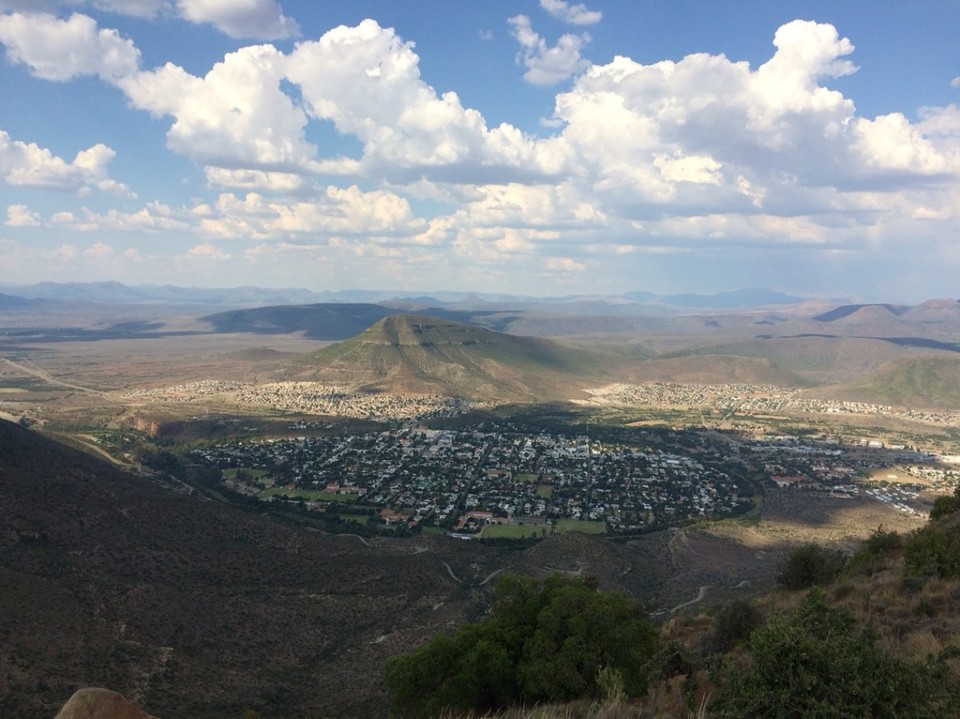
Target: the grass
(580, 525)
(527, 477)
(514, 531)
(545, 492)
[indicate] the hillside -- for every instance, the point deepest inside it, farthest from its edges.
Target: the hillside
(918, 382)
(192, 608)
(421, 354)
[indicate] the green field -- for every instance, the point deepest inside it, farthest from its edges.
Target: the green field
(514, 531)
(577, 525)
(526, 477)
(545, 491)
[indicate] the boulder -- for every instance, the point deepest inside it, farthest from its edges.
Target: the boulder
(97, 703)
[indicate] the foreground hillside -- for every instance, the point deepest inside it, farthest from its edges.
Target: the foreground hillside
(192, 609)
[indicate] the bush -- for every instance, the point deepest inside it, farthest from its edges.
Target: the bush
(942, 506)
(810, 565)
(734, 623)
(819, 663)
(872, 555)
(545, 641)
(933, 551)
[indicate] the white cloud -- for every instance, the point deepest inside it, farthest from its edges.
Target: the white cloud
(21, 216)
(207, 251)
(573, 14)
(29, 165)
(262, 19)
(366, 80)
(705, 134)
(235, 117)
(57, 49)
(155, 217)
(955, 82)
(334, 211)
(548, 65)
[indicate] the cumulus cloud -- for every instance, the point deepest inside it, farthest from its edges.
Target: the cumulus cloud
(572, 14)
(955, 82)
(548, 65)
(29, 165)
(21, 216)
(366, 80)
(334, 211)
(706, 134)
(57, 49)
(207, 251)
(234, 117)
(262, 19)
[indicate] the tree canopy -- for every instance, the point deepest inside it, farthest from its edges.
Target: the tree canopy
(544, 641)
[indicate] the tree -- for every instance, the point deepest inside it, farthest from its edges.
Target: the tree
(548, 640)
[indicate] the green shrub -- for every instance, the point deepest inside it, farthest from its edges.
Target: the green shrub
(942, 506)
(873, 554)
(810, 565)
(933, 551)
(818, 663)
(545, 641)
(735, 622)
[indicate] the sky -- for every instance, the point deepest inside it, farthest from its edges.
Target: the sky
(535, 147)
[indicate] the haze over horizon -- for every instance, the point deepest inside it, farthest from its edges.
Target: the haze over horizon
(537, 148)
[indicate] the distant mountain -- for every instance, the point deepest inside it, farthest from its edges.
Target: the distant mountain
(737, 299)
(118, 293)
(325, 321)
(861, 312)
(236, 297)
(14, 302)
(419, 353)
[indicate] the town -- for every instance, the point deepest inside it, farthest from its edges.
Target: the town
(484, 481)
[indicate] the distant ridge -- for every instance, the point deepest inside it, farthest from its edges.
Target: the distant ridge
(737, 299)
(847, 310)
(14, 302)
(322, 321)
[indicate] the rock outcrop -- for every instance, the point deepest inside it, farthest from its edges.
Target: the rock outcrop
(97, 703)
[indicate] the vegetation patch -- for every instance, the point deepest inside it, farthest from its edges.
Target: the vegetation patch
(581, 525)
(545, 641)
(513, 531)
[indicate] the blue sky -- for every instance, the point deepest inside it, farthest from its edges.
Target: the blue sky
(537, 147)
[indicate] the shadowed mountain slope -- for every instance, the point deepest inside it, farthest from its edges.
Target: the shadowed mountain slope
(316, 321)
(192, 608)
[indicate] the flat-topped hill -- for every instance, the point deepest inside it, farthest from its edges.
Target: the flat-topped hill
(422, 354)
